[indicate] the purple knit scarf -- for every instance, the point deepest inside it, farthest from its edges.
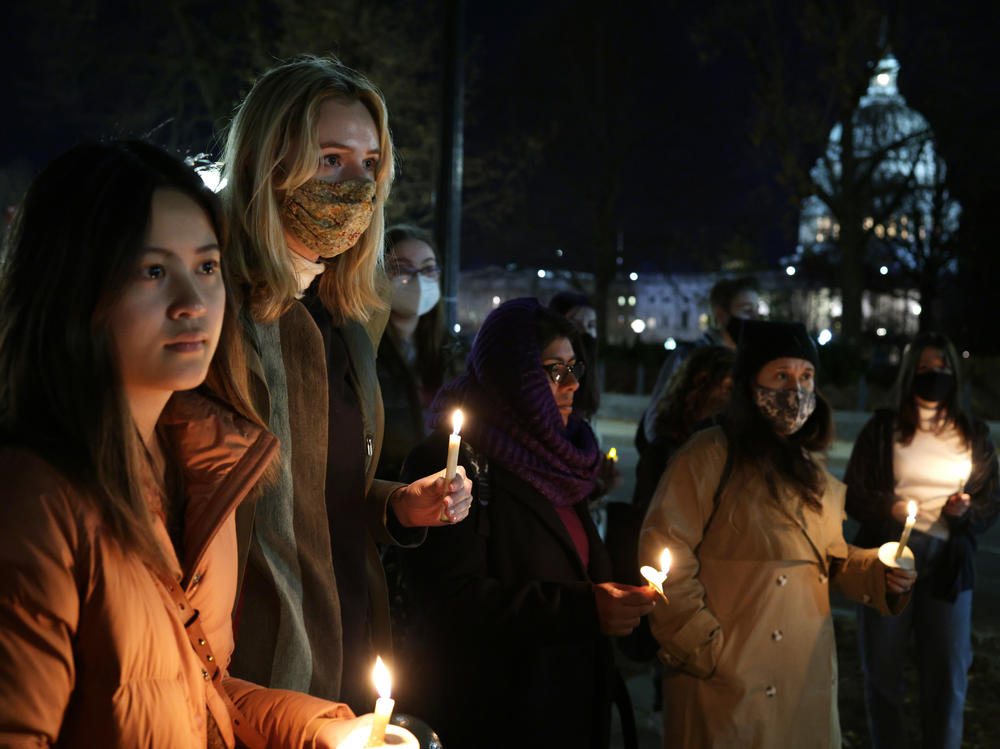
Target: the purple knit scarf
(510, 413)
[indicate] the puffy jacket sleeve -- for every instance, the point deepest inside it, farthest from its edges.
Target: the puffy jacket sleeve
(44, 575)
(288, 720)
(689, 634)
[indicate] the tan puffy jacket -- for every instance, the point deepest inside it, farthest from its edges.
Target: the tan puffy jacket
(92, 650)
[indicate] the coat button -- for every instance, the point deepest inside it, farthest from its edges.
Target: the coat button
(770, 691)
(823, 579)
(776, 635)
(204, 674)
(201, 640)
(196, 579)
(782, 580)
(209, 658)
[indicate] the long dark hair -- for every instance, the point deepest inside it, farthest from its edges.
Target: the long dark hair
(781, 460)
(71, 248)
(429, 335)
(689, 389)
(907, 414)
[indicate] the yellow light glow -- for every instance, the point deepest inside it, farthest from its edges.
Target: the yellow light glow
(911, 510)
(456, 421)
(383, 681)
(665, 561)
(612, 454)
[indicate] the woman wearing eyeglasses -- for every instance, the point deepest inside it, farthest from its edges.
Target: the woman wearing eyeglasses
(416, 354)
(511, 611)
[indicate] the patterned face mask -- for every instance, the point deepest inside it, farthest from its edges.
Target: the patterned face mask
(329, 217)
(786, 410)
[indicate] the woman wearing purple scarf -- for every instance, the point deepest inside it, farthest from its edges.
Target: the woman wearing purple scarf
(509, 613)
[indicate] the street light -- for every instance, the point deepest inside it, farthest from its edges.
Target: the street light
(633, 276)
(638, 326)
(824, 337)
(884, 270)
(790, 270)
(670, 344)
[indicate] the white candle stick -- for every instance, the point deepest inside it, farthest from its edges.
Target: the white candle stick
(383, 706)
(454, 442)
(964, 469)
(911, 519)
(451, 465)
(656, 577)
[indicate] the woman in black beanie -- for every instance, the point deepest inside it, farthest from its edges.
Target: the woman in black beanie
(753, 521)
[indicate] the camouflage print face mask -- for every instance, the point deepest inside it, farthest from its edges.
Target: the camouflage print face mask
(786, 410)
(329, 217)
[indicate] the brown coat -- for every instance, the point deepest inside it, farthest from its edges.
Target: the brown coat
(92, 650)
(747, 638)
(293, 352)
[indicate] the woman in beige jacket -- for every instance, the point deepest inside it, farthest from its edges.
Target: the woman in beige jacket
(118, 493)
(753, 522)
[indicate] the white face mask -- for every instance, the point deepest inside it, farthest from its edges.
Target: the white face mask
(414, 296)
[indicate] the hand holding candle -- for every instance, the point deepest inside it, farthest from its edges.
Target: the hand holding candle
(656, 577)
(911, 519)
(383, 706)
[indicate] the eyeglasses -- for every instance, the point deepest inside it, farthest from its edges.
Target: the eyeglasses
(558, 372)
(409, 273)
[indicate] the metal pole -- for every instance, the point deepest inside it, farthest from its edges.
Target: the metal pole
(448, 206)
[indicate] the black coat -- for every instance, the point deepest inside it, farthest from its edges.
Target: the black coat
(871, 494)
(504, 647)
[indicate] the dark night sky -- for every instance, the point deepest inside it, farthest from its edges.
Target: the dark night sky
(691, 181)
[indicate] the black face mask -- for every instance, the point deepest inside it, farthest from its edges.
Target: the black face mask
(933, 385)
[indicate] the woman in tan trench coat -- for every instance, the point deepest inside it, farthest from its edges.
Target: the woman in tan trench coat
(753, 522)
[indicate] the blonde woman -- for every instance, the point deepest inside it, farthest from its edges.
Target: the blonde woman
(309, 164)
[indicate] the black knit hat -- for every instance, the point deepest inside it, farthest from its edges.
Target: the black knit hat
(761, 341)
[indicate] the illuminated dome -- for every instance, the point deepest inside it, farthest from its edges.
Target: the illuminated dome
(897, 176)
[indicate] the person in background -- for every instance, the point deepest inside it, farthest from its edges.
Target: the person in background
(731, 299)
(926, 449)
(127, 440)
(515, 605)
(579, 310)
(753, 522)
(416, 354)
(308, 164)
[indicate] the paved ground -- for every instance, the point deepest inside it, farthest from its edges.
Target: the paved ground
(616, 427)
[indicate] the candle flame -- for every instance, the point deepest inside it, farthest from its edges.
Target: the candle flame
(964, 469)
(665, 562)
(911, 510)
(456, 421)
(612, 454)
(383, 681)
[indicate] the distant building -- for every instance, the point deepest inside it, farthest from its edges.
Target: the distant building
(909, 218)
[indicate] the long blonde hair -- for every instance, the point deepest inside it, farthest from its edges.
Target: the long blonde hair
(272, 148)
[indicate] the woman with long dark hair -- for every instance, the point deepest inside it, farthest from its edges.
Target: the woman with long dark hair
(117, 531)
(930, 451)
(513, 607)
(753, 522)
(416, 354)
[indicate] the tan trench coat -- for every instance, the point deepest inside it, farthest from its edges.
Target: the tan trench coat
(747, 638)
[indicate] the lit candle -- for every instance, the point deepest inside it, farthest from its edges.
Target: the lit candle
(911, 519)
(454, 442)
(656, 577)
(451, 465)
(613, 455)
(383, 705)
(964, 469)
